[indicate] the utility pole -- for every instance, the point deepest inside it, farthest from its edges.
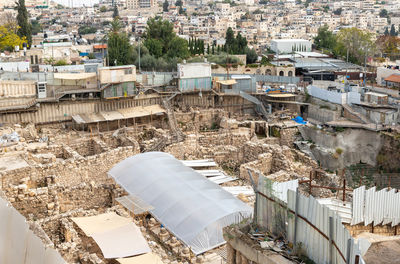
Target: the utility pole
(139, 55)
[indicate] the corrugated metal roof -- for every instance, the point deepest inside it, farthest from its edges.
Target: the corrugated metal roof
(227, 82)
(199, 163)
(126, 113)
(75, 76)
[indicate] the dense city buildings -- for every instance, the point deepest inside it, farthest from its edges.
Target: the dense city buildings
(207, 132)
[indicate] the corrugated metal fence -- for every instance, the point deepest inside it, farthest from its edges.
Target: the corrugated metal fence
(304, 222)
(377, 207)
(18, 244)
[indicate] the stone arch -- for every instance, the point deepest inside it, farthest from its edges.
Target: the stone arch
(281, 73)
(268, 72)
(290, 73)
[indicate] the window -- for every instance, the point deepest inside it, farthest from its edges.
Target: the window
(128, 71)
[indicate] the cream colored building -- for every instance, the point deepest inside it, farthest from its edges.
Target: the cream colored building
(117, 74)
(135, 4)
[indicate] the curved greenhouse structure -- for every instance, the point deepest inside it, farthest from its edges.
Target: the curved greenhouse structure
(190, 206)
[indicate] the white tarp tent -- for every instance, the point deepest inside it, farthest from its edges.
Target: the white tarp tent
(190, 206)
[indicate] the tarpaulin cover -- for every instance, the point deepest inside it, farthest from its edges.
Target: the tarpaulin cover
(122, 242)
(299, 120)
(149, 258)
(117, 236)
(100, 223)
(190, 206)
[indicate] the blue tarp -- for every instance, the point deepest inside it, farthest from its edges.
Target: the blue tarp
(300, 120)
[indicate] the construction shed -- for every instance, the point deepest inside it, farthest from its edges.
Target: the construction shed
(190, 206)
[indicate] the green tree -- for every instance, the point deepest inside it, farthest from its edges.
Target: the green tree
(393, 32)
(115, 12)
(36, 27)
(325, 39)
(178, 3)
(229, 40)
(357, 42)
(82, 30)
(213, 49)
(165, 6)
(103, 9)
(251, 56)
(120, 51)
(338, 11)
(386, 32)
(159, 33)
(383, 13)
(155, 47)
(23, 22)
(208, 49)
(178, 48)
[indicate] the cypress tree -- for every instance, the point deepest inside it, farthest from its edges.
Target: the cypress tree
(25, 26)
(116, 12)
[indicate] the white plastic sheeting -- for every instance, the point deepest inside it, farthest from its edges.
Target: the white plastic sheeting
(379, 207)
(18, 244)
(117, 236)
(191, 207)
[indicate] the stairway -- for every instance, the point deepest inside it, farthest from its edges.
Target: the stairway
(260, 109)
(178, 136)
(363, 119)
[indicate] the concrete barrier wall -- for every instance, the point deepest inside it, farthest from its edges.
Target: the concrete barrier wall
(334, 97)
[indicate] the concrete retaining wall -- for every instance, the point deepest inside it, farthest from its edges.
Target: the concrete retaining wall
(357, 145)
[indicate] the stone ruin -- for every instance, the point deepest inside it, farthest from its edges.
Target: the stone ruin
(51, 174)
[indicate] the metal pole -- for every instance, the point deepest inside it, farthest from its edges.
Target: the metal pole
(330, 239)
(296, 217)
(349, 248)
(139, 55)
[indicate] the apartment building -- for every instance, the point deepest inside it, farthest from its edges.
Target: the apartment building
(135, 4)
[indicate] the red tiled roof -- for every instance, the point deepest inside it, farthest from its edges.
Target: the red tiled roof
(393, 78)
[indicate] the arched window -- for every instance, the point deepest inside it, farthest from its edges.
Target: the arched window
(281, 73)
(268, 72)
(290, 73)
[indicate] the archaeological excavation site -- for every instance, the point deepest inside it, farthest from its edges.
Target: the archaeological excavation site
(213, 177)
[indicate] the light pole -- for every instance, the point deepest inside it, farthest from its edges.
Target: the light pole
(139, 55)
